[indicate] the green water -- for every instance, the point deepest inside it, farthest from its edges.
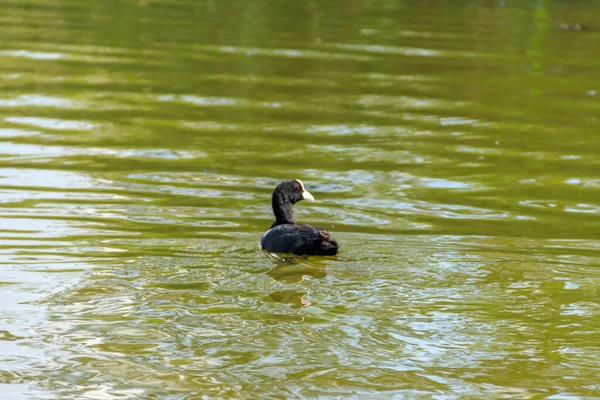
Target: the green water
(453, 149)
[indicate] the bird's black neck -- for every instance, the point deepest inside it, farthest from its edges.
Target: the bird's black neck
(283, 210)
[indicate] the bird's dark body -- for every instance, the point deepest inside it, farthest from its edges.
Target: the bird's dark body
(285, 235)
(299, 239)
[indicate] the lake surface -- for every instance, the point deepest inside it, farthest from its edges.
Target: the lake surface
(453, 149)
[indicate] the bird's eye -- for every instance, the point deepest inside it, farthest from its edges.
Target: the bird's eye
(298, 187)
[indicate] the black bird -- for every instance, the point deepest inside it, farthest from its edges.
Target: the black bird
(285, 235)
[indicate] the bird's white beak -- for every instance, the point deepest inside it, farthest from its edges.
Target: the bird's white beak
(307, 196)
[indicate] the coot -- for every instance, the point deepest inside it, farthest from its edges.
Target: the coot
(285, 235)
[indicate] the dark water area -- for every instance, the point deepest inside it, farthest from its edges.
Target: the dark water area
(452, 148)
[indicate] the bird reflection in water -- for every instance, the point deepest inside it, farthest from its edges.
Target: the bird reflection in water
(294, 269)
(293, 297)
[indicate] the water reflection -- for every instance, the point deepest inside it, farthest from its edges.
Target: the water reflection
(292, 297)
(296, 269)
(51, 123)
